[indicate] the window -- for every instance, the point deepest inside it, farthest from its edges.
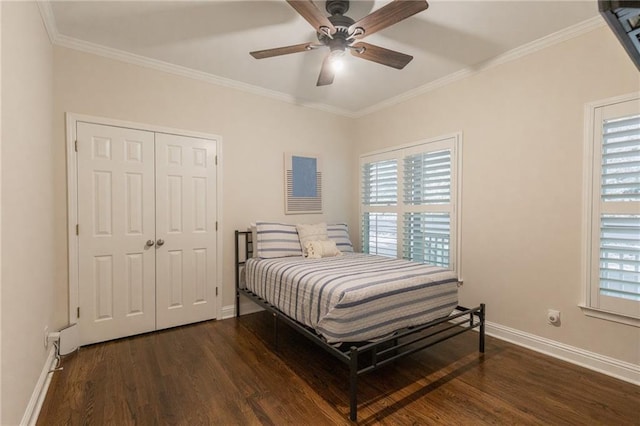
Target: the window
(613, 210)
(409, 198)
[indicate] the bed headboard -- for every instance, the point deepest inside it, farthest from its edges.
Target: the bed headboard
(244, 245)
(244, 251)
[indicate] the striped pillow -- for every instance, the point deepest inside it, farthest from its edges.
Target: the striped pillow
(339, 233)
(277, 240)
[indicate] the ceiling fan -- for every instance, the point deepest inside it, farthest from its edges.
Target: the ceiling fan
(340, 33)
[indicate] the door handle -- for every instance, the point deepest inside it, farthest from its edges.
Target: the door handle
(150, 243)
(160, 242)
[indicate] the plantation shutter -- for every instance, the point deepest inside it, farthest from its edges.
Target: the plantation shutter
(427, 178)
(427, 238)
(621, 160)
(427, 183)
(380, 189)
(620, 256)
(380, 183)
(619, 247)
(408, 202)
(380, 233)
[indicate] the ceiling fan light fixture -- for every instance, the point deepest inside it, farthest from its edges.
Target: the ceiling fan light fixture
(336, 58)
(337, 64)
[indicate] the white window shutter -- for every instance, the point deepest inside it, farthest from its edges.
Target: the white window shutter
(380, 183)
(427, 178)
(408, 202)
(613, 251)
(619, 247)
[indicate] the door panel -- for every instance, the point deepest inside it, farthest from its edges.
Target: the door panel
(185, 221)
(116, 216)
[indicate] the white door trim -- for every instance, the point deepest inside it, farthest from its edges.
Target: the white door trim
(72, 198)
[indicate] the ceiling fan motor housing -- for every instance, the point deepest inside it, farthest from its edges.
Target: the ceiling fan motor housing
(338, 7)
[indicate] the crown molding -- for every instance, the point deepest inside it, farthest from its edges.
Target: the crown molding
(512, 55)
(48, 19)
(58, 39)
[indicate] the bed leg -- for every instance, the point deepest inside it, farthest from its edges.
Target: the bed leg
(237, 274)
(481, 328)
(353, 384)
(275, 330)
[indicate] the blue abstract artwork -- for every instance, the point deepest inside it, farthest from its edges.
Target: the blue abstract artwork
(305, 178)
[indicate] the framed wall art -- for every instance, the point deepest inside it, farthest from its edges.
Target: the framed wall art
(302, 184)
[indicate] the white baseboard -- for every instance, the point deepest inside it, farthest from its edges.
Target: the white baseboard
(40, 391)
(229, 311)
(603, 364)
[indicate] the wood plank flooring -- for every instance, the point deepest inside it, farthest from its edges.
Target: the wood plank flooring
(230, 373)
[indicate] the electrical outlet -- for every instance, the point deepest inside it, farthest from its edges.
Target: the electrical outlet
(553, 317)
(46, 335)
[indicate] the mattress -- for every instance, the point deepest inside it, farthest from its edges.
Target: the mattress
(354, 297)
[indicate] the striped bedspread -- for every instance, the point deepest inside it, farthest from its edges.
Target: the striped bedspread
(355, 297)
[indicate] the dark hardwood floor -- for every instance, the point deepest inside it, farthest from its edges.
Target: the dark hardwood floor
(229, 372)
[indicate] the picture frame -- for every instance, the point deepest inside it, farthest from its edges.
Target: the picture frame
(302, 184)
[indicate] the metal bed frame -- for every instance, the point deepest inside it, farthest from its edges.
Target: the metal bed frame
(362, 358)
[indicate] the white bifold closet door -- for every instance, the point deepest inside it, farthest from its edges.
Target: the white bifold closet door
(147, 242)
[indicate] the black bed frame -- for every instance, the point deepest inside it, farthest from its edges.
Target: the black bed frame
(365, 357)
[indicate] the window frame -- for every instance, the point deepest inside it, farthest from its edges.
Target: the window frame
(450, 141)
(593, 304)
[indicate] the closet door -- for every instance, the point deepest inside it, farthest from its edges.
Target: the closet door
(185, 230)
(116, 217)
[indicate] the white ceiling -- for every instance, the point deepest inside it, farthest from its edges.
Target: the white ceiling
(215, 37)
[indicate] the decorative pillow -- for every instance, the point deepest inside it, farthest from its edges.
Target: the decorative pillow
(318, 249)
(277, 240)
(340, 234)
(254, 240)
(306, 233)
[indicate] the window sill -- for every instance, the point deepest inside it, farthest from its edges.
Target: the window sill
(610, 316)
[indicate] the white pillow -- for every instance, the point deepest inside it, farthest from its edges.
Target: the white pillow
(277, 240)
(254, 239)
(306, 233)
(339, 233)
(319, 249)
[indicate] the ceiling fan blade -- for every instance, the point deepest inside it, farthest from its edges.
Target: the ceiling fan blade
(268, 53)
(326, 72)
(387, 15)
(309, 11)
(378, 54)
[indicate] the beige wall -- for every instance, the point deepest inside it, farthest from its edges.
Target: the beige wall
(28, 244)
(256, 132)
(522, 125)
